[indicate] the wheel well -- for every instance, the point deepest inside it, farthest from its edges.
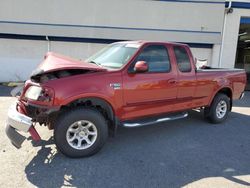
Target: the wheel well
(228, 92)
(99, 104)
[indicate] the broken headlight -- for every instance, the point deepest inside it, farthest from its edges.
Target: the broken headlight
(38, 93)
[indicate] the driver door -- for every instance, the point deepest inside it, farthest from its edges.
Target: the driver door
(152, 92)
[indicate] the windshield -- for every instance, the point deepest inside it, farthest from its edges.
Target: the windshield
(115, 55)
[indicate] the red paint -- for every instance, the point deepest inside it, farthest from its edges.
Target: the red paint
(34, 134)
(53, 62)
(141, 66)
(143, 94)
(21, 108)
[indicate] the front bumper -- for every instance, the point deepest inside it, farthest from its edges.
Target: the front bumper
(19, 122)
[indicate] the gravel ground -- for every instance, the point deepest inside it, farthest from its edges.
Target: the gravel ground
(183, 153)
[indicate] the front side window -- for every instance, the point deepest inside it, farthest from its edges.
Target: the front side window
(157, 58)
(182, 58)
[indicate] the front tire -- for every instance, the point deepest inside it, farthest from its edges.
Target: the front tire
(80, 132)
(218, 111)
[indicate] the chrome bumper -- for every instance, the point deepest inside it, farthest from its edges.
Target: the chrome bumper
(17, 122)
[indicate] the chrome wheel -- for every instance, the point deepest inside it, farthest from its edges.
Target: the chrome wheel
(81, 134)
(221, 109)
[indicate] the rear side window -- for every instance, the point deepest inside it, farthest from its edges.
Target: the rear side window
(156, 57)
(182, 58)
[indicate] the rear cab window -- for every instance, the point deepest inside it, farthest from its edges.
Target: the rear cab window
(182, 59)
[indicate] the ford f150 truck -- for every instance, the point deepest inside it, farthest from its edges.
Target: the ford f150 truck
(130, 84)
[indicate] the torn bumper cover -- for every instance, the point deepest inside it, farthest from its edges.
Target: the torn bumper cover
(19, 122)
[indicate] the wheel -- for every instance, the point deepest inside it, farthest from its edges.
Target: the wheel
(219, 109)
(80, 132)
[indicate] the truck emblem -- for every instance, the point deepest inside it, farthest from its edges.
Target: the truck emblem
(115, 85)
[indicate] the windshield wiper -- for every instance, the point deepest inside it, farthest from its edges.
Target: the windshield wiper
(95, 63)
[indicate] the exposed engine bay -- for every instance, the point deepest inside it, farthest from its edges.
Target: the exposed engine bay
(44, 77)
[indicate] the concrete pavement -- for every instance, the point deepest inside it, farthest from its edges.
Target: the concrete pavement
(183, 153)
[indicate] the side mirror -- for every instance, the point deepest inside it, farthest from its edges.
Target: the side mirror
(141, 66)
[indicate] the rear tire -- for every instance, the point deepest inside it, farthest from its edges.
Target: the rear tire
(218, 111)
(80, 132)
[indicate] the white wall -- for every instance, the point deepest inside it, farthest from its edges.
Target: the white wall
(109, 19)
(75, 49)
(203, 54)
(130, 19)
(215, 55)
(231, 36)
(18, 58)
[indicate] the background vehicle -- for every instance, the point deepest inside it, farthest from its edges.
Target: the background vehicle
(131, 84)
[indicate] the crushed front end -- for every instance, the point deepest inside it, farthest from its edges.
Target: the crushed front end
(33, 107)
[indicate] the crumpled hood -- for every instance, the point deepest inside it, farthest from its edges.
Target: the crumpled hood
(55, 62)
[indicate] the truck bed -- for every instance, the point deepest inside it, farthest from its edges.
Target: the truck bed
(233, 78)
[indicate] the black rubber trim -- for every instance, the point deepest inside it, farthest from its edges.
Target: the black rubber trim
(15, 138)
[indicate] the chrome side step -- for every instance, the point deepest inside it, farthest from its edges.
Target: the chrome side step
(153, 121)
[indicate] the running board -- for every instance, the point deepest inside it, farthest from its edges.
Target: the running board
(151, 121)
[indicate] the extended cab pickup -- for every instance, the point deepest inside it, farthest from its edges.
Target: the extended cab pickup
(129, 84)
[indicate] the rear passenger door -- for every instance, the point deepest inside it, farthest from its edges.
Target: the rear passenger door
(186, 77)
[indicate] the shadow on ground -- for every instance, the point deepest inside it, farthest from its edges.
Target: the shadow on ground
(167, 155)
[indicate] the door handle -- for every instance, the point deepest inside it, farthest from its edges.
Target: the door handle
(172, 81)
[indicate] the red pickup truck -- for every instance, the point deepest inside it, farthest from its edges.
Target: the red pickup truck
(128, 84)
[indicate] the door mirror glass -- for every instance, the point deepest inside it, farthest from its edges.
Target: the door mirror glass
(141, 66)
